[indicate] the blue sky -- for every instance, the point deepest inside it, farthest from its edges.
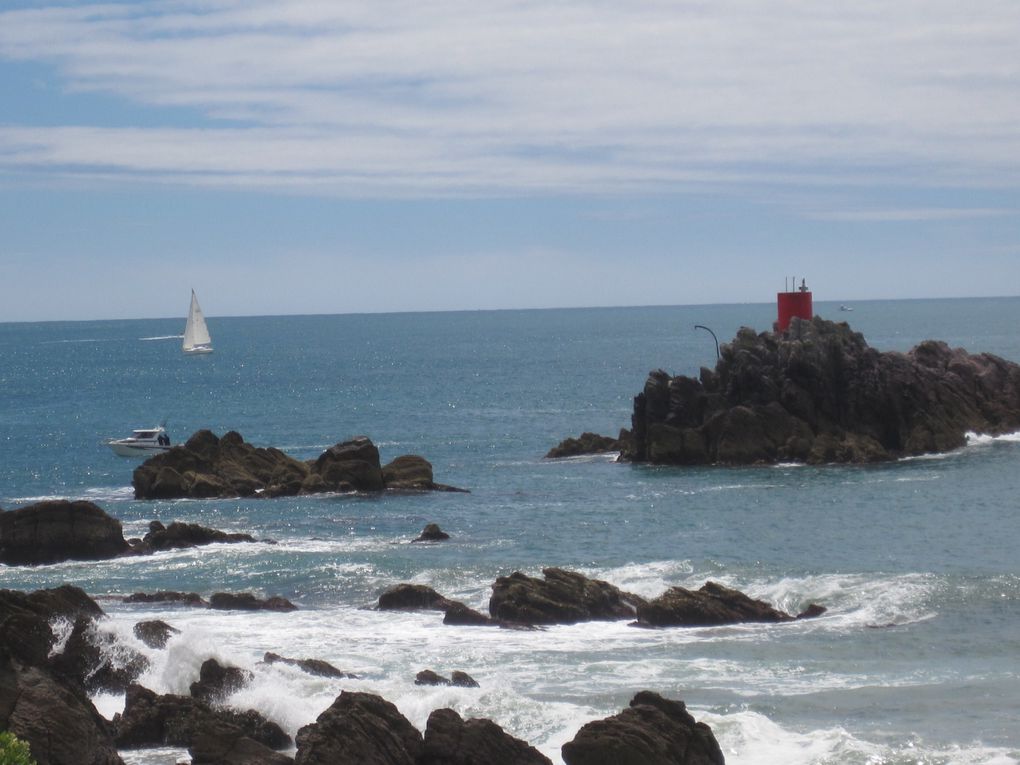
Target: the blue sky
(312, 156)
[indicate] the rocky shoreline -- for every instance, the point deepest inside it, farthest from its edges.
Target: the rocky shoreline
(45, 687)
(816, 393)
(208, 466)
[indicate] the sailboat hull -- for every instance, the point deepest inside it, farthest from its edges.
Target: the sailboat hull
(197, 350)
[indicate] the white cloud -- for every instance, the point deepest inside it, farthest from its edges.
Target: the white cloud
(397, 96)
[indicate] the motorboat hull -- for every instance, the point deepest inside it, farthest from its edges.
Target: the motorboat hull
(124, 448)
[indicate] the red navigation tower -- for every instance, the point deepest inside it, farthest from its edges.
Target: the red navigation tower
(797, 303)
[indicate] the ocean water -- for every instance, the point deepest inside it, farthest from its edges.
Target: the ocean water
(916, 661)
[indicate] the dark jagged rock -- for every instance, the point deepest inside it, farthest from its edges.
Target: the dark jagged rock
(413, 597)
(359, 729)
(207, 466)
(223, 748)
(58, 530)
(216, 682)
(428, 677)
(245, 601)
(170, 720)
(462, 680)
(181, 535)
(451, 740)
(652, 731)
(710, 606)
(40, 704)
(96, 660)
(590, 443)
(167, 596)
(316, 667)
(563, 597)
(432, 533)
(460, 615)
(155, 633)
(818, 393)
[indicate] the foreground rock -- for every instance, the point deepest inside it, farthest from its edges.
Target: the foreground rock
(818, 393)
(652, 731)
(711, 606)
(450, 740)
(359, 729)
(58, 530)
(208, 466)
(39, 704)
(563, 597)
(152, 720)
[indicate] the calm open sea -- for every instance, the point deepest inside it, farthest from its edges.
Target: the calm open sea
(917, 660)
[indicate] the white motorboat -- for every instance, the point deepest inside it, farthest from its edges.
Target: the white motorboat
(144, 442)
(196, 333)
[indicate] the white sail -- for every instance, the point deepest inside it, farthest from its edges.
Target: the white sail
(196, 334)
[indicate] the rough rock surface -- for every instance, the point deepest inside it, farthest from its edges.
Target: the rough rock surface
(316, 667)
(58, 530)
(563, 597)
(209, 466)
(216, 682)
(167, 596)
(652, 731)
(38, 703)
(171, 720)
(451, 740)
(818, 393)
(710, 606)
(180, 535)
(590, 443)
(413, 597)
(359, 729)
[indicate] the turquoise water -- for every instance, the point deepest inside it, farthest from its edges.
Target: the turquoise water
(916, 661)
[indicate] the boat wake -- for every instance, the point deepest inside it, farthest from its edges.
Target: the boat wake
(162, 337)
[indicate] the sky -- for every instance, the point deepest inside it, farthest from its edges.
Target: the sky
(318, 156)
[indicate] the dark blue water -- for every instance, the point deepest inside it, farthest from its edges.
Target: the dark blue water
(917, 660)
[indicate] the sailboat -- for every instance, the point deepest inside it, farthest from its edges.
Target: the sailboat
(196, 334)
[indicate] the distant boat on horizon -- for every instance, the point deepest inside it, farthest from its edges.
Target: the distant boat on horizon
(196, 333)
(845, 308)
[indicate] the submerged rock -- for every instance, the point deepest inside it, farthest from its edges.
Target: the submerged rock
(316, 667)
(432, 533)
(818, 393)
(652, 731)
(208, 466)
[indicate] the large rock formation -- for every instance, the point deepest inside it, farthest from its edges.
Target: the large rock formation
(451, 740)
(38, 703)
(563, 597)
(208, 466)
(359, 729)
(58, 530)
(652, 731)
(710, 606)
(818, 393)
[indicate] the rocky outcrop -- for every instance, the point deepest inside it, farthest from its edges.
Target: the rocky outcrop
(209, 466)
(432, 533)
(316, 667)
(590, 443)
(155, 633)
(216, 682)
(359, 729)
(182, 535)
(563, 597)
(711, 606)
(458, 679)
(167, 596)
(818, 393)
(59, 530)
(39, 703)
(246, 601)
(451, 740)
(652, 731)
(170, 720)
(413, 597)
